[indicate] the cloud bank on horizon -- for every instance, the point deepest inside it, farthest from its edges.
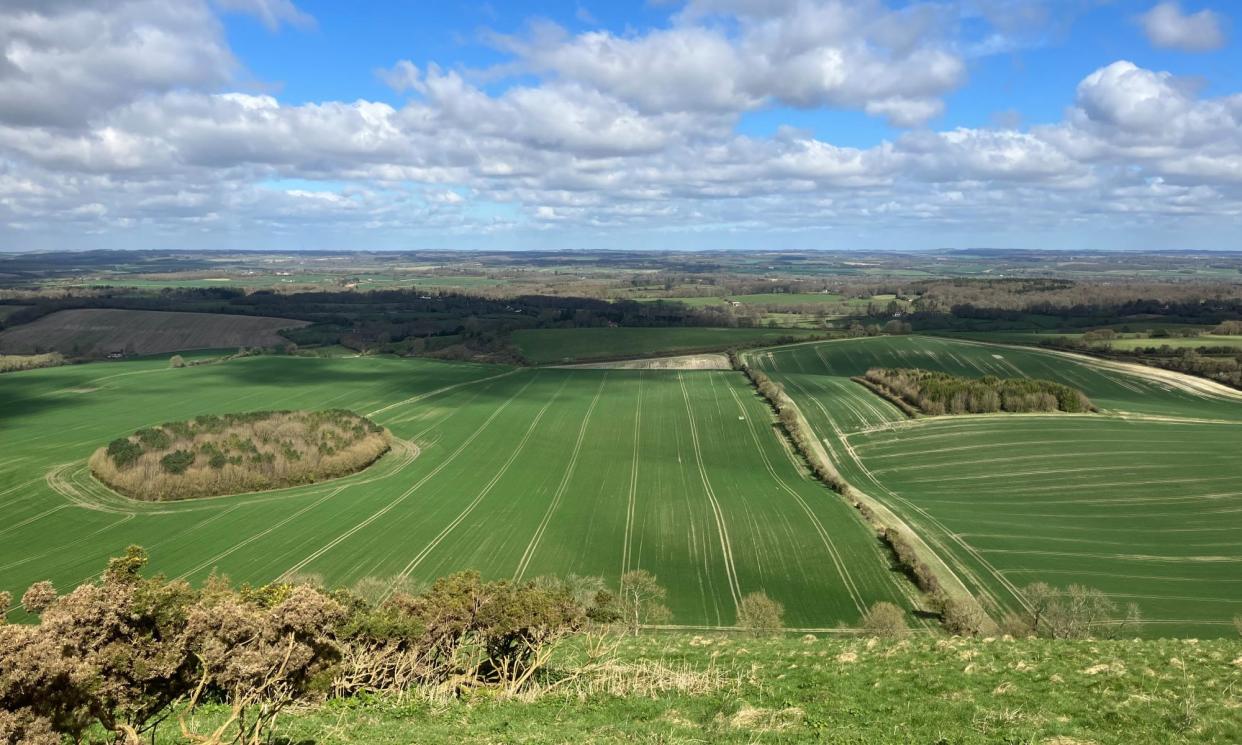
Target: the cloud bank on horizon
(699, 124)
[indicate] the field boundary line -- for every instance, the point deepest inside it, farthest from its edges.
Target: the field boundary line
(885, 516)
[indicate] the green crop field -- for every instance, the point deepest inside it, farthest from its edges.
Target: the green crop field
(1142, 500)
(542, 346)
(514, 472)
(1123, 341)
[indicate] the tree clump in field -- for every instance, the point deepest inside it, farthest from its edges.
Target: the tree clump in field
(234, 453)
(935, 393)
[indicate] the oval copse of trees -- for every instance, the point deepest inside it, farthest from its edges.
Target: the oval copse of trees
(214, 455)
(936, 393)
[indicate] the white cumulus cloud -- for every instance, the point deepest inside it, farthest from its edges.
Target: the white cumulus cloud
(1168, 27)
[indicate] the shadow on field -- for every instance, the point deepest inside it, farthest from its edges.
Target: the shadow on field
(31, 394)
(308, 371)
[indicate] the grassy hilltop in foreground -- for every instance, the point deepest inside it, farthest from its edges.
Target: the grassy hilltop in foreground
(679, 688)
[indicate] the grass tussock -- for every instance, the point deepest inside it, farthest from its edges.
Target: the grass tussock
(234, 453)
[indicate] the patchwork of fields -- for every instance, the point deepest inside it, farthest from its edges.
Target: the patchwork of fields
(1143, 501)
(514, 472)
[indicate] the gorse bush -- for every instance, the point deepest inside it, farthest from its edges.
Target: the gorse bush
(127, 652)
(933, 392)
(231, 453)
(177, 461)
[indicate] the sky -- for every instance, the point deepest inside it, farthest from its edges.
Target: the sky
(549, 124)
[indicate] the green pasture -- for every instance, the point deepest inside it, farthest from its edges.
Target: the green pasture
(513, 472)
(1142, 500)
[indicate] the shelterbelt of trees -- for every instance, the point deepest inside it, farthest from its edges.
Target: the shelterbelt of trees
(934, 393)
(233, 453)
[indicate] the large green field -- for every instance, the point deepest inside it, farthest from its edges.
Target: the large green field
(1142, 500)
(1124, 341)
(514, 472)
(542, 346)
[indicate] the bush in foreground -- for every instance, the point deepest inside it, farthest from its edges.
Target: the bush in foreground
(127, 652)
(885, 620)
(760, 614)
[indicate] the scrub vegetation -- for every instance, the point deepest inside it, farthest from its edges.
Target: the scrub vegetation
(212, 454)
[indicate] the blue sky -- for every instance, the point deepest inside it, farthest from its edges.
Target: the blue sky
(698, 124)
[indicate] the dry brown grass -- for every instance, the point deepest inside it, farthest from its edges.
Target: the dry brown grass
(246, 453)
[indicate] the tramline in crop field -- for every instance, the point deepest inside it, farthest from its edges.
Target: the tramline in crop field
(517, 473)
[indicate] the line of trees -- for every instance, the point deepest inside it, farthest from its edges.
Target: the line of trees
(933, 392)
(959, 616)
